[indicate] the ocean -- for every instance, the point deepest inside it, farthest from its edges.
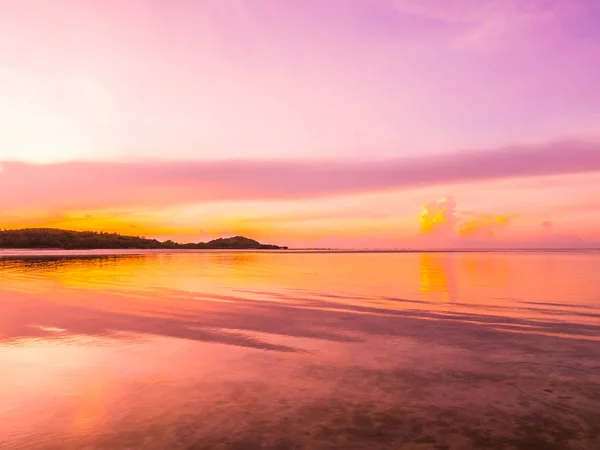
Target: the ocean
(300, 350)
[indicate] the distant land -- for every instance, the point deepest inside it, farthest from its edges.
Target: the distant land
(52, 238)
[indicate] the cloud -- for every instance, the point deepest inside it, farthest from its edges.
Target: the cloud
(488, 19)
(438, 218)
(483, 226)
(442, 224)
(549, 237)
(157, 184)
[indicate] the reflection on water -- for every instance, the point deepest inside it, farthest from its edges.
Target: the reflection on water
(438, 279)
(305, 350)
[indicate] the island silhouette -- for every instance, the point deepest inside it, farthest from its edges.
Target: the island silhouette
(50, 238)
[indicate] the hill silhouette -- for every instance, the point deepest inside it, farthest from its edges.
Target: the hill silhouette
(89, 240)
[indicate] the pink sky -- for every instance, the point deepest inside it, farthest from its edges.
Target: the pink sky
(307, 123)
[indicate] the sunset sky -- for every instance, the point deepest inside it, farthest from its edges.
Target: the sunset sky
(308, 123)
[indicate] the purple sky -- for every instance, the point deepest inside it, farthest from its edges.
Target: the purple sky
(156, 91)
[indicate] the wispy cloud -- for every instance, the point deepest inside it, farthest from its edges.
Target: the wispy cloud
(484, 226)
(490, 20)
(89, 185)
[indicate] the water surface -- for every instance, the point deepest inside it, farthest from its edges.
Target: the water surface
(300, 350)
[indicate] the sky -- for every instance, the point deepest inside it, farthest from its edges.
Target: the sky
(329, 123)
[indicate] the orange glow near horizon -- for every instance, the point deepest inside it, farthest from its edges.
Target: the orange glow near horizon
(385, 219)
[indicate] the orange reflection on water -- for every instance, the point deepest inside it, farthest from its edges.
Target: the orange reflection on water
(437, 277)
(187, 295)
(163, 283)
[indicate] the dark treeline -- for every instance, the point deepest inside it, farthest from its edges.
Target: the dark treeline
(84, 240)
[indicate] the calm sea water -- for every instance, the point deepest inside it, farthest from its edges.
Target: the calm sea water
(300, 350)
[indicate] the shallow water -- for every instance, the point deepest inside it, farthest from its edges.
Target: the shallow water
(249, 350)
